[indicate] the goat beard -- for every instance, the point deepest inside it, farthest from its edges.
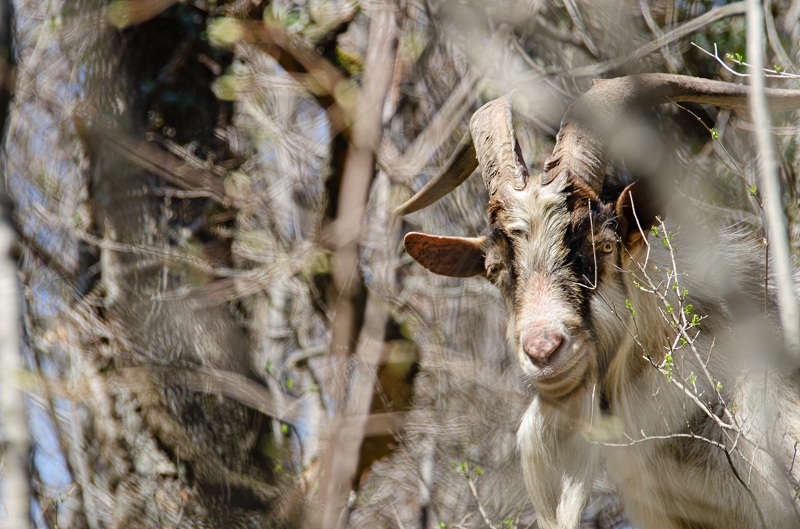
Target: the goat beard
(570, 383)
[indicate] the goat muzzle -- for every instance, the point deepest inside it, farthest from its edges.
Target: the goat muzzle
(542, 343)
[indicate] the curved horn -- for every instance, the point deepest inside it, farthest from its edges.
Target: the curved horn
(495, 148)
(458, 167)
(581, 147)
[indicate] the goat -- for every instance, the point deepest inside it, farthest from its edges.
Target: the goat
(638, 354)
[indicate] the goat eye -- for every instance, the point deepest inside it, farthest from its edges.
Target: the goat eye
(606, 247)
(493, 270)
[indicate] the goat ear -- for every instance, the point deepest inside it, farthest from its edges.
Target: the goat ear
(447, 256)
(637, 210)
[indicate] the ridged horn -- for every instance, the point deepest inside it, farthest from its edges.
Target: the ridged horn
(496, 146)
(491, 143)
(581, 150)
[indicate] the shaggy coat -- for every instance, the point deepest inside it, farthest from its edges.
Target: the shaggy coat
(651, 352)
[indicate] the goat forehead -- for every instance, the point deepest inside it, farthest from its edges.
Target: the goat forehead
(552, 234)
(536, 221)
(531, 211)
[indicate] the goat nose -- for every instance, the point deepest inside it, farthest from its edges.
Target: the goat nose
(540, 344)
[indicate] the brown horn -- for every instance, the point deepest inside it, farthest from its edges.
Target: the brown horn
(495, 148)
(581, 149)
(458, 167)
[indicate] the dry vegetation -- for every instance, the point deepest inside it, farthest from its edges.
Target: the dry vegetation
(219, 328)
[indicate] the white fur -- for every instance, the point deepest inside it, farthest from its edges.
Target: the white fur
(666, 480)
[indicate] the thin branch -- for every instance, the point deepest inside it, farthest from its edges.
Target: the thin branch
(773, 38)
(575, 15)
(179, 172)
(402, 168)
(474, 491)
(692, 26)
(126, 13)
(325, 82)
(673, 63)
(768, 72)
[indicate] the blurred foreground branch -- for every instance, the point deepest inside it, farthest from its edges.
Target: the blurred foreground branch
(773, 203)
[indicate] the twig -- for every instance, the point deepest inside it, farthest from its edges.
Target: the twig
(575, 15)
(773, 38)
(768, 72)
(326, 83)
(737, 8)
(474, 491)
(673, 63)
(413, 160)
(179, 172)
(126, 13)
(212, 381)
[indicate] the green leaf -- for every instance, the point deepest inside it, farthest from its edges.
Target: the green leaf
(714, 134)
(668, 366)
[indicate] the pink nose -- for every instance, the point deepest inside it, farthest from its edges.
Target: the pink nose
(540, 343)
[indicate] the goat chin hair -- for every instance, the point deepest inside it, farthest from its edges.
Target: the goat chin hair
(707, 440)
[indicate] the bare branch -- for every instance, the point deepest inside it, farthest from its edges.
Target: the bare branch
(718, 13)
(778, 240)
(340, 461)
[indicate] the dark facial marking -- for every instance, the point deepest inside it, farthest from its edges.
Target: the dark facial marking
(589, 219)
(500, 263)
